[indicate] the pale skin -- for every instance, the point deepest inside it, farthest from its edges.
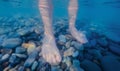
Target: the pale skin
(50, 51)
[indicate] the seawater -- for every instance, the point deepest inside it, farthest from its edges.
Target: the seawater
(103, 14)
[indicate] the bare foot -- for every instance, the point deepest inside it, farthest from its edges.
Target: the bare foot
(50, 51)
(79, 36)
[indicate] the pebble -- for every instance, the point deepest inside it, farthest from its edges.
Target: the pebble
(21, 68)
(20, 50)
(103, 42)
(75, 54)
(34, 65)
(20, 55)
(110, 63)
(69, 52)
(87, 65)
(93, 42)
(5, 57)
(62, 38)
(29, 46)
(31, 58)
(77, 45)
(6, 51)
(11, 42)
(115, 48)
(14, 60)
(68, 62)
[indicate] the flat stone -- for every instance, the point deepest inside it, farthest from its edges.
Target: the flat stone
(29, 46)
(77, 45)
(62, 38)
(93, 42)
(110, 63)
(5, 57)
(31, 58)
(34, 65)
(20, 50)
(69, 52)
(21, 68)
(6, 51)
(90, 66)
(75, 54)
(115, 48)
(11, 42)
(103, 42)
(20, 55)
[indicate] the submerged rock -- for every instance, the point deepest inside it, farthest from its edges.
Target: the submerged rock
(29, 46)
(103, 42)
(4, 57)
(90, 66)
(21, 68)
(34, 66)
(20, 50)
(115, 48)
(11, 42)
(110, 63)
(31, 58)
(62, 38)
(69, 52)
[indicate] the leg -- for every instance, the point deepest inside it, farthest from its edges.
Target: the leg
(49, 51)
(72, 9)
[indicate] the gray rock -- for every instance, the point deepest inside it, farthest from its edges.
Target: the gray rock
(110, 63)
(5, 57)
(93, 42)
(14, 60)
(103, 42)
(54, 68)
(69, 52)
(11, 42)
(90, 66)
(21, 68)
(20, 55)
(77, 45)
(75, 54)
(20, 50)
(34, 65)
(115, 48)
(6, 51)
(31, 58)
(62, 38)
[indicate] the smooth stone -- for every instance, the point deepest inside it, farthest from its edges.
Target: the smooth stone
(54, 68)
(5, 57)
(31, 58)
(34, 65)
(102, 41)
(73, 68)
(63, 66)
(69, 52)
(115, 48)
(96, 53)
(20, 55)
(68, 44)
(75, 54)
(110, 63)
(93, 42)
(90, 66)
(88, 56)
(62, 38)
(77, 45)
(23, 31)
(68, 62)
(21, 68)
(20, 50)
(76, 65)
(29, 46)
(11, 42)
(14, 60)
(6, 51)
